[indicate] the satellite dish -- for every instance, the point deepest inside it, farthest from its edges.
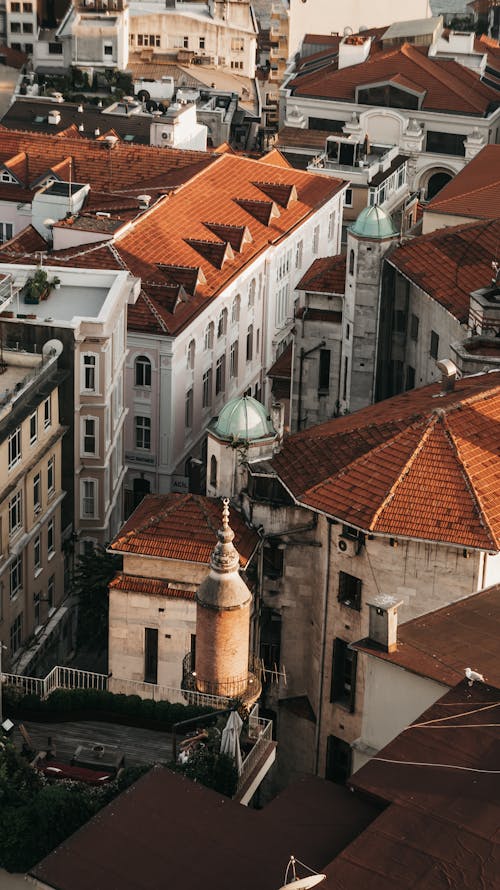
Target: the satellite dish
(304, 883)
(311, 880)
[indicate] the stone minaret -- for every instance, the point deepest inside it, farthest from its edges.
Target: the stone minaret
(223, 621)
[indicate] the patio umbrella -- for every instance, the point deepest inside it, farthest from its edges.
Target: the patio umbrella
(230, 741)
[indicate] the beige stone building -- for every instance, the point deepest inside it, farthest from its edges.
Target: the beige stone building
(32, 560)
(166, 547)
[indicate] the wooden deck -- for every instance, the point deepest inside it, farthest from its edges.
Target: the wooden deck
(138, 745)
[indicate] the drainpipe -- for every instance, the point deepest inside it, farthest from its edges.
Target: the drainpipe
(323, 651)
(303, 354)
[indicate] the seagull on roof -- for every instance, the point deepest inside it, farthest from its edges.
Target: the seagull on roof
(473, 675)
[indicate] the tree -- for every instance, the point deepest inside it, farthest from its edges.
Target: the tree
(93, 573)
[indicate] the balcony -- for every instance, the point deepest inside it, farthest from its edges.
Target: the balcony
(246, 690)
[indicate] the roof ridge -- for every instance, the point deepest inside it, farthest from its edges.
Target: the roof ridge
(155, 519)
(469, 484)
(461, 195)
(431, 66)
(429, 427)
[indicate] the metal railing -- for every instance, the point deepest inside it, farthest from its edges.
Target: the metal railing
(244, 688)
(261, 731)
(173, 694)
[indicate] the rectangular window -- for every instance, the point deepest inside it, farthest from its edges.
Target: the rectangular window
(27, 28)
(207, 388)
(6, 232)
(89, 488)
(400, 321)
(410, 377)
(37, 493)
(143, 433)
(14, 447)
(220, 375)
(250, 343)
(16, 634)
(33, 428)
(273, 561)
(15, 7)
(51, 538)
(298, 254)
(343, 686)
(316, 240)
(237, 45)
(202, 43)
(15, 513)
(324, 370)
(185, 42)
(338, 760)
(188, 409)
(150, 655)
(446, 143)
(89, 435)
(233, 360)
(27, 7)
(331, 226)
(350, 591)
(108, 49)
(89, 372)
(348, 198)
(51, 592)
(15, 27)
(36, 608)
(37, 554)
(16, 576)
(51, 475)
(55, 49)
(414, 323)
(434, 344)
(47, 413)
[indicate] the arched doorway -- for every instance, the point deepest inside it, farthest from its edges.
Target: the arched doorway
(436, 182)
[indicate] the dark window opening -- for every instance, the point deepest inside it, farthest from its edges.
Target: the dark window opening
(387, 96)
(150, 655)
(434, 348)
(350, 591)
(410, 377)
(446, 143)
(414, 323)
(324, 123)
(324, 370)
(343, 688)
(273, 559)
(338, 760)
(270, 638)
(213, 470)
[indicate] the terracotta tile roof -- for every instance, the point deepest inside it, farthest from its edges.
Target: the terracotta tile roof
(491, 47)
(275, 158)
(447, 86)
(118, 169)
(326, 275)
(434, 644)
(448, 264)
(420, 465)
(282, 367)
(294, 137)
(176, 526)
(28, 241)
(475, 191)
(152, 586)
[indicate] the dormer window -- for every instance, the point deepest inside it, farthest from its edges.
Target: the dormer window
(5, 176)
(390, 95)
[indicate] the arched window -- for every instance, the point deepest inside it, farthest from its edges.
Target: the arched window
(213, 470)
(351, 263)
(251, 292)
(222, 324)
(235, 311)
(190, 355)
(209, 335)
(142, 371)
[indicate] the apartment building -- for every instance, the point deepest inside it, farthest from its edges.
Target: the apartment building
(21, 24)
(32, 562)
(88, 314)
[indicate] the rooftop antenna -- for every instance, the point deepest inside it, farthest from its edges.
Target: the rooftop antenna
(311, 880)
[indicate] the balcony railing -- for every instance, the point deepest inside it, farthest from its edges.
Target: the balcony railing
(260, 731)
(241, 689)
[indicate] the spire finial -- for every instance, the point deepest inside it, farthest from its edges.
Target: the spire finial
(225, 513)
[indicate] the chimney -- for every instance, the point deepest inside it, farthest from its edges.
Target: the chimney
(54, 117)
(384, 621)
(449, 373)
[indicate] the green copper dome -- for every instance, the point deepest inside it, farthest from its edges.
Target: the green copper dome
(373, 222)
(243, 418)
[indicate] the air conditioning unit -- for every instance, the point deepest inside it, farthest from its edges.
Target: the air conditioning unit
(348, 546)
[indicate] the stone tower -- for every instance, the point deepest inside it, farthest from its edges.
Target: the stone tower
(223, 624)
(368, 239)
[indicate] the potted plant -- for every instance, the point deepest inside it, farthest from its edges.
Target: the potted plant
(37, 287)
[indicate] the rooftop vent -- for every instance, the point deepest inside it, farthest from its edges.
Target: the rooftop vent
(81, 128)
(103, 214)
(54, 117)
(384, 621)
(110, 140)
(449, 373)
(80, 109)
(144, 201)
(97, 131)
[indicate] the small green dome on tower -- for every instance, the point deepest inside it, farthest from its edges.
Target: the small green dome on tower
(243, 418)
(373, 222)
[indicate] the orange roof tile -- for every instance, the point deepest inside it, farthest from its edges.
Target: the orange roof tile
(475, 191)
(448, 264)
(420, 465)
(326, 275)
(154, 586)
(275, 158)
(184, 527)
(447, 85)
